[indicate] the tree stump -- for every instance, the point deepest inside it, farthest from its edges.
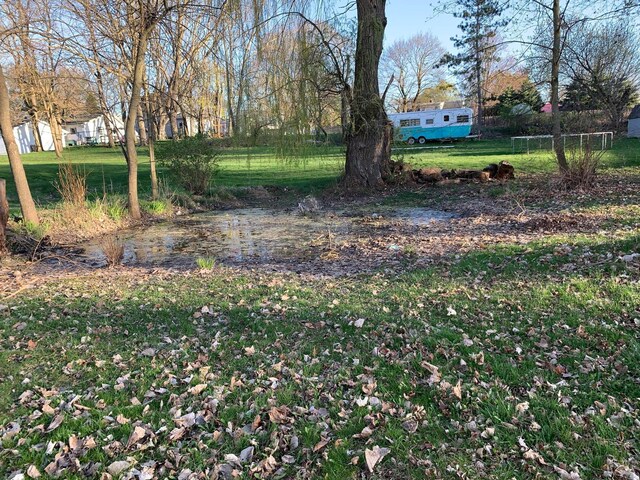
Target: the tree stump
(4, 216)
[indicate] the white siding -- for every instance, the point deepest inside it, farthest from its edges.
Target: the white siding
(25, 138)
(634, 128)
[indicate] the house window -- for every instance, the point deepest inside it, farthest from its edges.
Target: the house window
(413, 122)
(462, 119)
(446, 118)
(428, 121)
(73, 130)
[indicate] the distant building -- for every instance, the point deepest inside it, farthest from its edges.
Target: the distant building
(634, 123)
(25, 138)
(214, 126)
(546, 108)
(91, 129)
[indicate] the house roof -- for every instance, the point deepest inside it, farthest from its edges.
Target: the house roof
(20, 121)
(81, 118)
(635, 113)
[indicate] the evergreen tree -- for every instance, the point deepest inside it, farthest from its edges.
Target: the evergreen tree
(479, 22)
(527, 94)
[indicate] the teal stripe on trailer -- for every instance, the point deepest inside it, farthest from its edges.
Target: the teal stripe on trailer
(436, 133)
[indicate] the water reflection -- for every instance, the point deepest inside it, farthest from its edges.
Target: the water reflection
(243, 235)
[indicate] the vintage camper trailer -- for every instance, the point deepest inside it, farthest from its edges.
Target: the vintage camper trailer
(426, 125)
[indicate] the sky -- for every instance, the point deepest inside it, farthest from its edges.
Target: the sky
(405, 18)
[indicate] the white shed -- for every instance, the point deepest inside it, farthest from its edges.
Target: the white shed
(25, 138)
(634, 123)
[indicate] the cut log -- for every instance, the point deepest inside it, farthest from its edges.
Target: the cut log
(472, 175)
(428, 175)
(500, 171)
(505, 171)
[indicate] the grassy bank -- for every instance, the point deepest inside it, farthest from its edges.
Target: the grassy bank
(310, 170)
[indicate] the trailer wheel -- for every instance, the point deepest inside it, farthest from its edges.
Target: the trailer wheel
(422, 140)
(411, 140)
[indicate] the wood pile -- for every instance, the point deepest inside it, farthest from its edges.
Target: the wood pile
(496, 171)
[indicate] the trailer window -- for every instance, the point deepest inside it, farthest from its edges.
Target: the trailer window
(462, 119)
(446, 118)
(413, 122)
(428, 121)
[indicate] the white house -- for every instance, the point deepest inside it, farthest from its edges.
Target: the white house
(210, 125)
(25, 138)
(634, 123)
(91, 129)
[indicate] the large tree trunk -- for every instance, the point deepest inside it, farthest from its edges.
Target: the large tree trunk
(369, 139)
(130, 126)
(27, 205)
(558, 144)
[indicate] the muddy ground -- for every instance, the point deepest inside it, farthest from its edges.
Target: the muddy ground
(358, 235)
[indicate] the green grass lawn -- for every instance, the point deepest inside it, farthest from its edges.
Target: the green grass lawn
(515, 362)
(316, 168)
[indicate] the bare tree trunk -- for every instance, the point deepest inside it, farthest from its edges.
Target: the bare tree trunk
(186, 128)
(27, 205)
(344, 112)
(105, 109)
(130, 127)
(369, 139)
(478, 72)
(35, 124)
(4, 216)
(142, 127)
(555, 88)
(152, 147)
(152, 164)
(162, 127)
(173, 121)
(56, 131)
(35, 119)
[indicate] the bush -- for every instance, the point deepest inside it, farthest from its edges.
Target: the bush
(72, 183)
(583, 165)
(113, 250)
(192, 162)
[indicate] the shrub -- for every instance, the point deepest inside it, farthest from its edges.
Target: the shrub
(582, 168)
(113, 250)
(192, 162)
(72, 183)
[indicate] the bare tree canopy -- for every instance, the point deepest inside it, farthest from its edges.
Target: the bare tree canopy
(411, 65)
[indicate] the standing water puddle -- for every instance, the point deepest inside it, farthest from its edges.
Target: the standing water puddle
(243, 235)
